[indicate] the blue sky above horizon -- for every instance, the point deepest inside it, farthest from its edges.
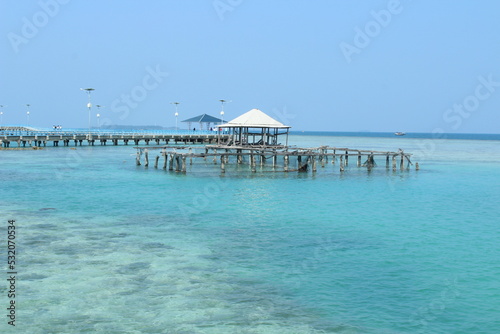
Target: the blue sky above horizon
(415, 66)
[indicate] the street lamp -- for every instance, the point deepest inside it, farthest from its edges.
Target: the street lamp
(28, 115)
(98, 115)
(1, 115)
(222, 110)
(89, 105)
(176, 113)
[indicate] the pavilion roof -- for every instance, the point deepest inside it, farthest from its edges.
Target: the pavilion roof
(204, 118)
(254, 118)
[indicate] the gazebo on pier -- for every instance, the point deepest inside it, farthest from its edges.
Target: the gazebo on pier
(204, 119)
(255, 128)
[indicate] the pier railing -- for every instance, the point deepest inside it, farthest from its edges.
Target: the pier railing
(24, 131)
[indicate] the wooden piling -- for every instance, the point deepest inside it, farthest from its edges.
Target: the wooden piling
(171, 162)
(177, 163)
(239, 157)
(138, 158)
(146, 158)
(370, 162)
(222, 165)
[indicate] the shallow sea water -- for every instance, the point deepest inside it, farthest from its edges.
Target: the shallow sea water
(105, 246)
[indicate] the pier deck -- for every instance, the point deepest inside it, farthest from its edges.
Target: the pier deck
(23, 137)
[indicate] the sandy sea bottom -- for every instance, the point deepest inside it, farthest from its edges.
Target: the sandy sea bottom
(106, 246)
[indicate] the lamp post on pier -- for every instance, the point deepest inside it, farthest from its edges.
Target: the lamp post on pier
(176, 113)
(98, 115)
(222, 110)
(28, 115)
(1, 114)
(89, 105)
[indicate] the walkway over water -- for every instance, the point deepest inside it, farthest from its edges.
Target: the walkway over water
(23, 136)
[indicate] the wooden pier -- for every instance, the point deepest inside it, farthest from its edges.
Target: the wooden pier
(30, 137)
(280, 158)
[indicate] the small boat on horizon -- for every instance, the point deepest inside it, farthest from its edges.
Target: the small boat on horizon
(399, 133)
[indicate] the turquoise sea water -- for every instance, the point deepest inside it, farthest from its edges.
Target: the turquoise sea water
(105, 246)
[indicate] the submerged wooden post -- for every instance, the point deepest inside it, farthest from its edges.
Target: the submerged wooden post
(206, 152)
(417, 167)
(177, 163)
(138, 158)
(222, 165)
(285, 163)
(387, 161)
(171, 162)
(346, 158)
(333, 158)
(239, 157)
(190, 156)
(215, 156)
(146, 159)
(299, 162)
(275, 159)
(359, 159)
(183, 163)
(313, 162)
(164, 152)
(341, 163)
(402, 164)
(394, 164)
(370, 162)
(156, 161)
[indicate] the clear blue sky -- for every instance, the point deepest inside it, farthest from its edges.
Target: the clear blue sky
(415, 66)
